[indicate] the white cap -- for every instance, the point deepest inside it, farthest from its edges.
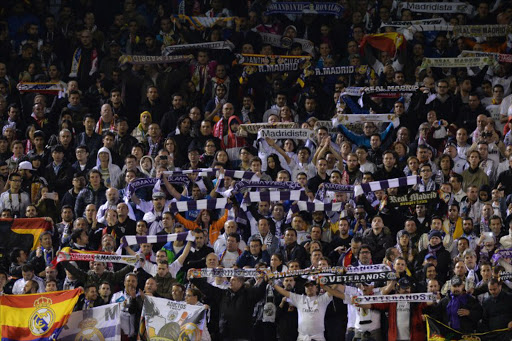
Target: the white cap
(25, 165)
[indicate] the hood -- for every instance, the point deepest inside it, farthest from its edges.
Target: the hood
(104, 150)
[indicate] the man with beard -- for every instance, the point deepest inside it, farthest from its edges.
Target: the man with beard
(286, 314)
(459, 309)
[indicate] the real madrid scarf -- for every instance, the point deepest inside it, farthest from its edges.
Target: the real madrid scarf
(77, 58)
(326, 8)
(143, 60)
(68, 254)
(436, 7)
(216, 45)
(417, 297)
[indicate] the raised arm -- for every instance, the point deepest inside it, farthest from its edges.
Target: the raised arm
(282, 291)
(280, 150)
(171, 189)
(185, 253)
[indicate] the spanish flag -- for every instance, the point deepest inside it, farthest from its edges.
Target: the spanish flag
(22, 232)
(389, 42)
(36, 316)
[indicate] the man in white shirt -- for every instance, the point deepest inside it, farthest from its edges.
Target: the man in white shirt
(230, 226)
(228, 258)
(27, 271)
(124, 297)
(311, 309)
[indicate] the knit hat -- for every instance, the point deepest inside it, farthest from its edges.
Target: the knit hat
(435, 233)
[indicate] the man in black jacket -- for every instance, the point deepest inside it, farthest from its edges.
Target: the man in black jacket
(58, 173)
(291, 250)
(497, 313)
(460, 310)
(235, 305)
(197, 259)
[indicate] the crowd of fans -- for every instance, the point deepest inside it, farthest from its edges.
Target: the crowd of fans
(69, 157)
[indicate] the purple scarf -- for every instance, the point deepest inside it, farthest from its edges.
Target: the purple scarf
(451, 309)
(433, 250)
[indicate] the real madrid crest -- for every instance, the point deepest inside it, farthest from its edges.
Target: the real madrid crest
(43, 318)
(88, 331)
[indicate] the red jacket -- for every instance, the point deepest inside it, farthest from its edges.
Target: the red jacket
(417, 325)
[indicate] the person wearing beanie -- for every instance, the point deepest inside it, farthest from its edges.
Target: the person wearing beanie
(435, 247)
(140, 132)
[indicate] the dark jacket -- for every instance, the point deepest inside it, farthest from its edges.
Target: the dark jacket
(90, 277)
(378, 243)
(294, 251)
(444, 260)
(197, 259)
(497, 312)
(468, 324)
(236, 308)
(89, 196)
(164, 285)
(61, 181)
(247, 259)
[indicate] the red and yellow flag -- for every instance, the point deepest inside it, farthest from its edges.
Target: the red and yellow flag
(36, 316)
(22, 232)
(389, 42)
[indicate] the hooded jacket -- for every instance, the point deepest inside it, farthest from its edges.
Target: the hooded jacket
(113, 170)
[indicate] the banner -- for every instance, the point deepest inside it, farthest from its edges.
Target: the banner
(390, 89)
(361, 118)
(253, 128)
(292, 195)
(143, 60)
(437, 331)
(436, 7)
(236, 174)
(100, 323)
(22, 232)
(201, 23)
(317, 206)
(416, 297)
(216, 45)
(266, 184)
(505, 276)
(42, 88)
(153, 239)
(457, 62)
(261, 59)
(338, 70)
(326, 124)
(405, 24)
(170, 320)
(67, 254)
(327, 8)
(413, 199)
(202, 204)
(502, 57)
(368, 268)
(481, 30)
(228, 272)
(36, 316)
(357, 278)
(284, 42)
(320, 194)
(296, 134)
(504, 253)
(385, 184)
(151, 182)
(305, 272)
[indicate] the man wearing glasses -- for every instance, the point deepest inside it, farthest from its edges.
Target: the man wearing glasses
(14, 199)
